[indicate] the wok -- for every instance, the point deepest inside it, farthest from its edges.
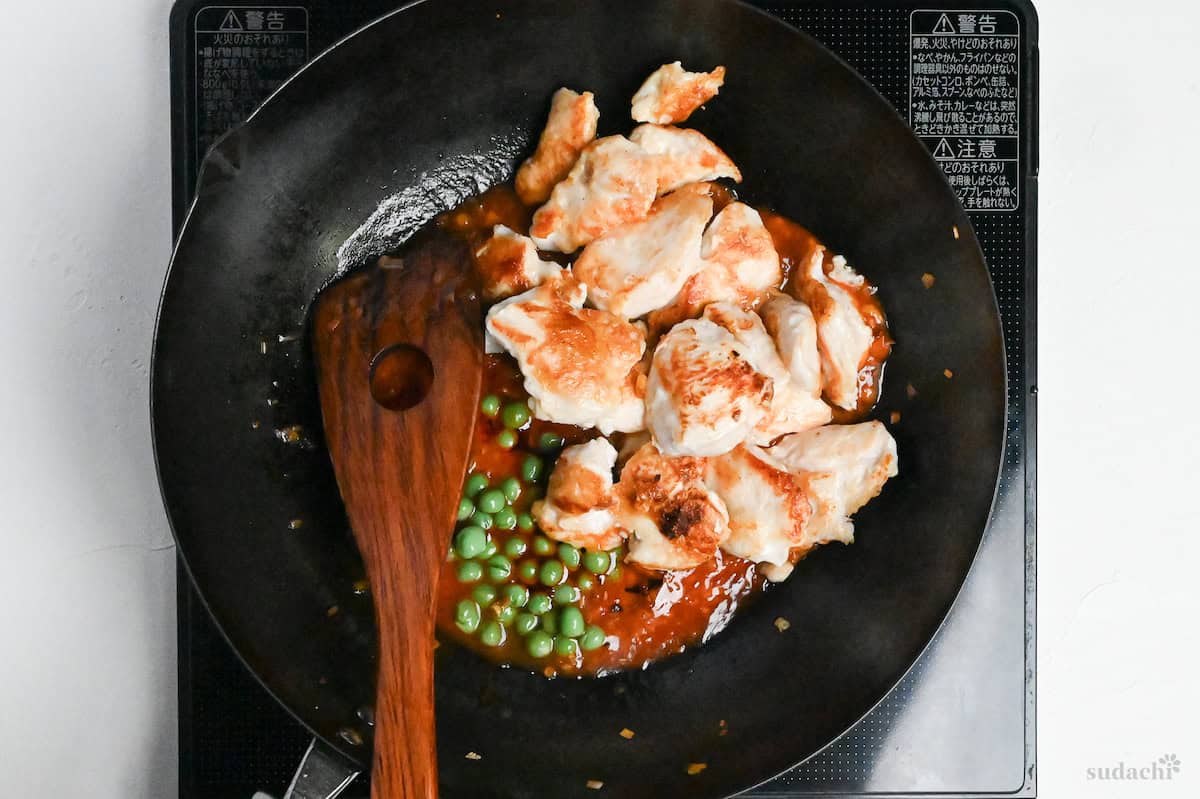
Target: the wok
(434, 103)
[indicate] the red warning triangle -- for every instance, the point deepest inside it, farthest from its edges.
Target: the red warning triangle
(231, 22)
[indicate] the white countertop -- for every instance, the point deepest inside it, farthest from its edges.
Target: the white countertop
(87, 594)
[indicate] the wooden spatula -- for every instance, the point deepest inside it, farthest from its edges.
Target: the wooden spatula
(399, 354)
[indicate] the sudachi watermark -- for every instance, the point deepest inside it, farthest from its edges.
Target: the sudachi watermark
(1164, 768)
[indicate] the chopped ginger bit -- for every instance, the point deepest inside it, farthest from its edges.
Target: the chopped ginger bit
(361, 586)
(910, 391)
(595, 785)
(695, 768)
(474, 756)
(955, 228)
(332, 611)
(782, 624)
(948, 373)
(290, 435)
(927, 280)
(436, 644)
(627, 733)
(895, 417)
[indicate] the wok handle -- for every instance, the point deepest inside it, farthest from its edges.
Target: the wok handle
(323, 774)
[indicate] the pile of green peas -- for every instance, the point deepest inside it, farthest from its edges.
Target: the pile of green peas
(518, 582)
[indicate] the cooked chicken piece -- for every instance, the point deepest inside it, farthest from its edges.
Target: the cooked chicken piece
(640, 266)
(571, 126)
(674, 520)
(509, 264)
(704, 396)
(739, 264)
(613, 182)
(681, 156)
(843, 336)
(768, 505)
(790, 410)
(845, 466)
(579, 364)
(580, 505)
(791, 323)
(671, 93)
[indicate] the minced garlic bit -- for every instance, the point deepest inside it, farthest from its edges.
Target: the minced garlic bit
(256, 424)
(627, 733)
(595, 785)
(782, 624)
(955, 228)
(948, 373)
(695, 768)
(910, 391)
(295, 524)
(474, 756)
(290, 434)
(895, 417)
(927, 280)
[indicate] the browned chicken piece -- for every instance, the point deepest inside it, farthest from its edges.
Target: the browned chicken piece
(671, 93)
(509, 264)
(674, 520)
(682, 156)
(580, 505)
(612, 183)
(570, 128)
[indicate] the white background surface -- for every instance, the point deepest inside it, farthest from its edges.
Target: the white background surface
(87, 675)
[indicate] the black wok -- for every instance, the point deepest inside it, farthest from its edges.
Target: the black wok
(436, 102)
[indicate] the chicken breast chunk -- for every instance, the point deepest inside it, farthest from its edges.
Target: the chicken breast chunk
(681, 156)
(843, 337)
(790, 410)
(640, 266)
(509, 264)
(580, 505)
(613, 182)
(845, 466)
(579, 364)
(674, 520)
(570, 128)
(671, 93)
(703, 396)
(792, 326)
(768, 505)
(739, 264)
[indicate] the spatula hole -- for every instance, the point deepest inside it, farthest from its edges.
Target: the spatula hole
(400, 377)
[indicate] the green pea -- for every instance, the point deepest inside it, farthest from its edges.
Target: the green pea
(525, 623)
(525, 521)
(593, 638)
(539, 644)
(475, 483)
(511, 488)
(490, 550)
(506, 614)
(515, 547)
(466, 616)
(491, 501)
(549, 442)
(551, 573)
(484, 594)
(543, 546)
(492, 633)
(490, 405)
(550, 622)
(515, 415)
(586, 582)
(516, 595)
(470, 542)
(499, 567)
(470, 572)
(570, 622)
(531, 469)
(505, 519)
(596, 562)
(566, 647)
(507, 439)
(481, 519)
(540, 604)
(566, 594)
(569, 555)
(465, 508)
(527, 571)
